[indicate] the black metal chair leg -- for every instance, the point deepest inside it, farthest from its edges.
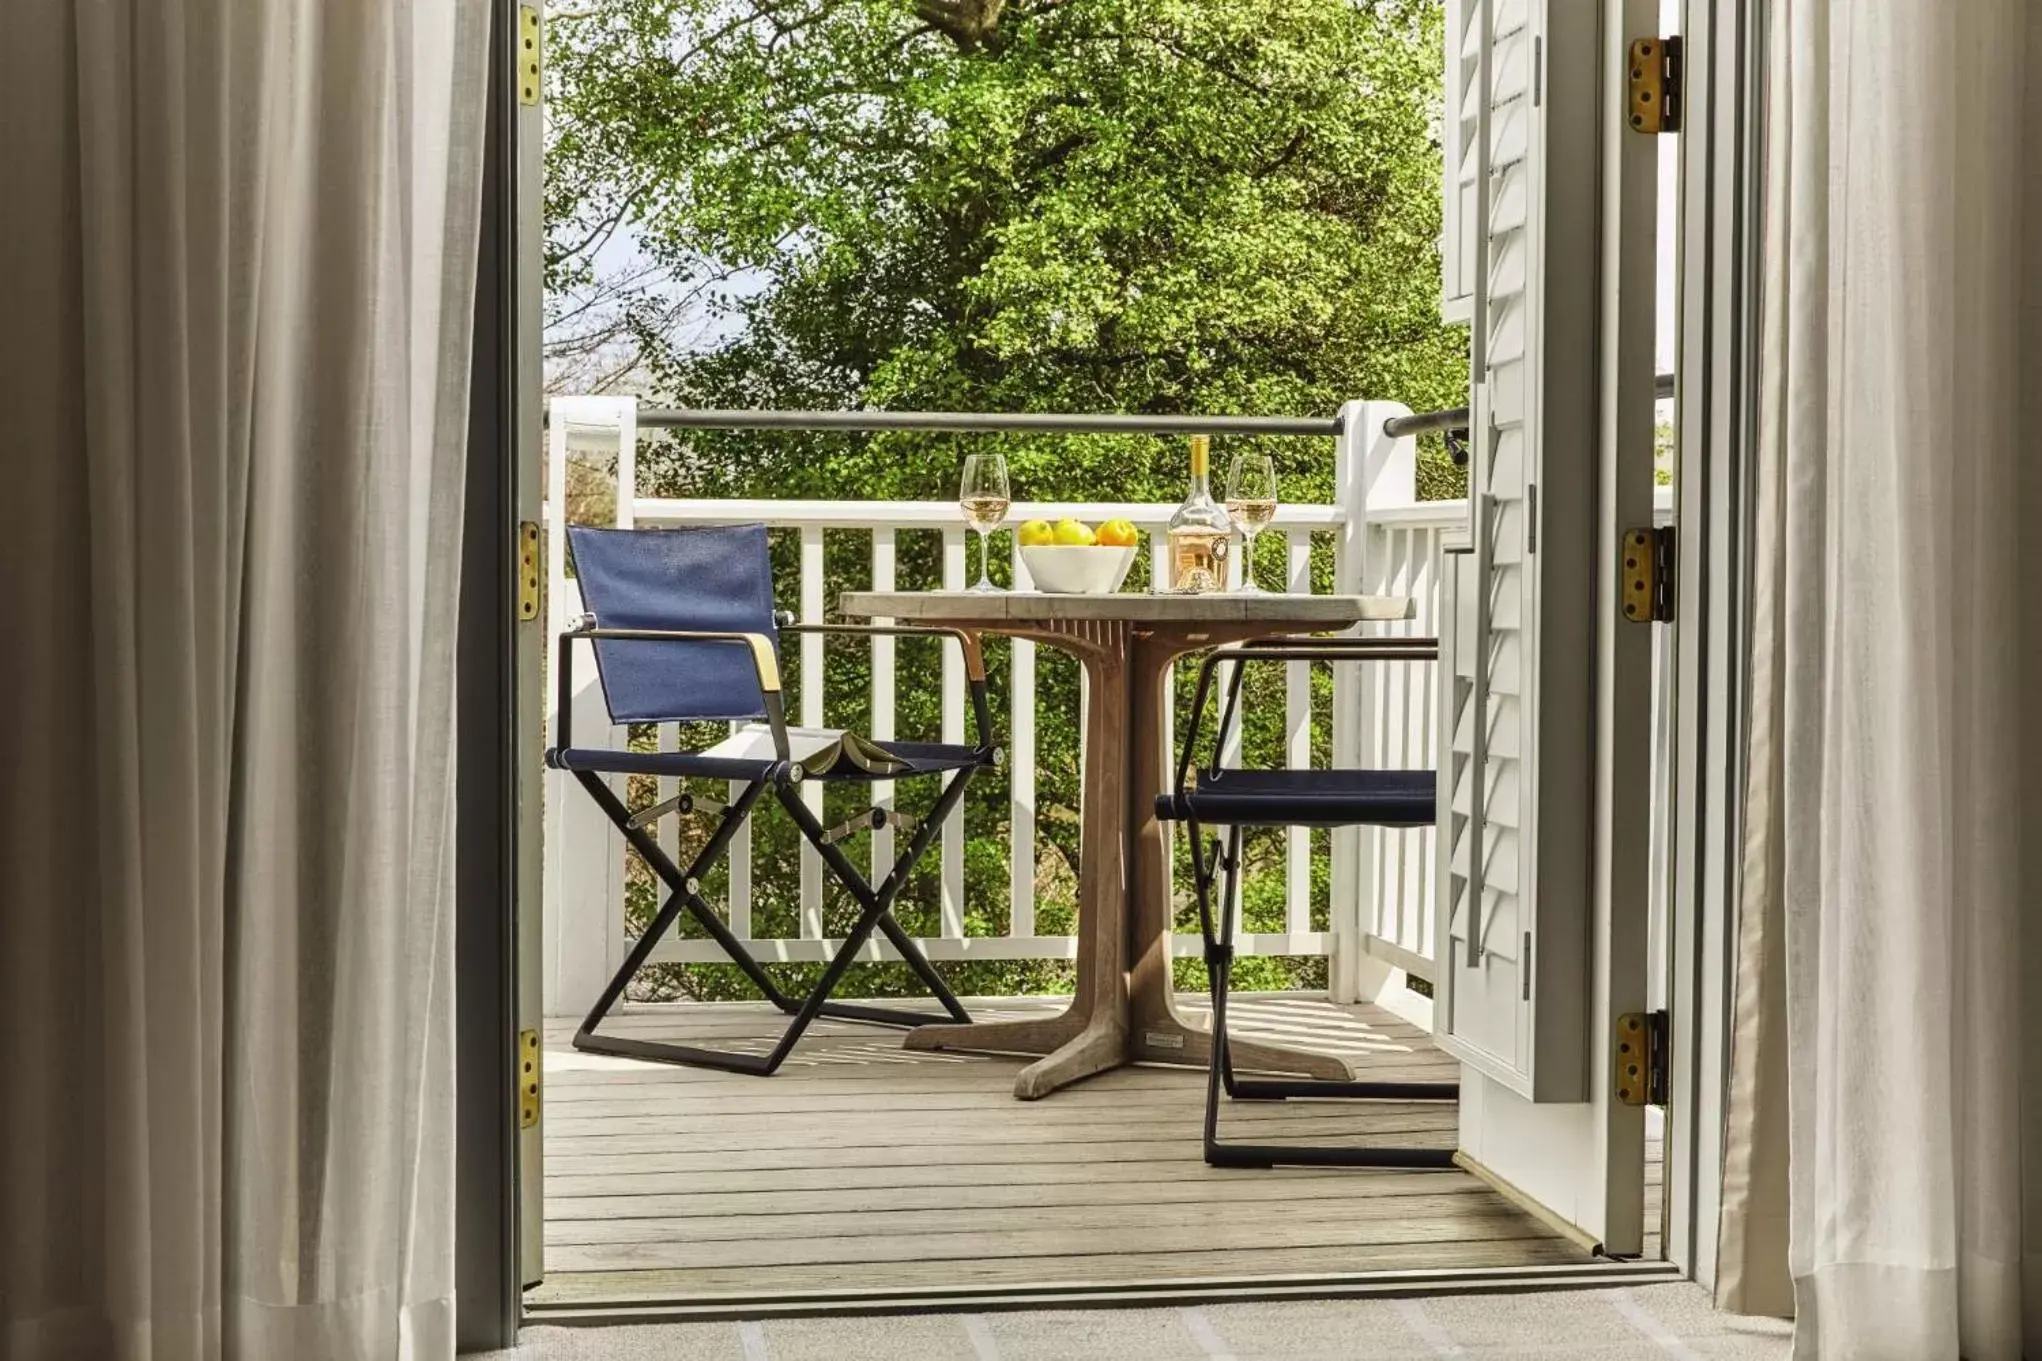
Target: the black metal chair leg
(896, 878)
(911, 954)
(856, 884)
(1218, 929)
(817, 1003)
(896, 934)
(682, 896)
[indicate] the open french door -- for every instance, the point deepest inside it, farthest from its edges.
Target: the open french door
(1545, 710)
(528, 364)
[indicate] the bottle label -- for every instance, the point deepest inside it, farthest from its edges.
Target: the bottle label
(1198, 560)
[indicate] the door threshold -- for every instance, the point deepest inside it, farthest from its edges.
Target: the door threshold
(1201, 1290)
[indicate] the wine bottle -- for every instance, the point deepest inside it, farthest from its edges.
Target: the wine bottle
(1200, 531)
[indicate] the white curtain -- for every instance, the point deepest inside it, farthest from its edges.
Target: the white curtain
(1895, 858)
(235, 291)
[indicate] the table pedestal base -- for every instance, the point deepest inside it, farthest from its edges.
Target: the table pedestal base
(1080, 1042)
(1124, 1010)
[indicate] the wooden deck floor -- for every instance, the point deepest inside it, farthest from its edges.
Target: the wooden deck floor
(861, 1166)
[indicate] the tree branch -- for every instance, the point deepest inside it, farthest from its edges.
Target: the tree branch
(971, 24)
(1287, 155)
(604, 229)
(1200, 59)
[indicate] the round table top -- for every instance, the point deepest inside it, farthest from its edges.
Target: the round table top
(989, 608)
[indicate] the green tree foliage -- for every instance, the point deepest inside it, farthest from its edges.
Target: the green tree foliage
(1029, 205)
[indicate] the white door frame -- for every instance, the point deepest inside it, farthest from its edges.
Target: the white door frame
(1623, 674)
(1716, 402)
(1719, 242)
(528, 364)
(491, 753)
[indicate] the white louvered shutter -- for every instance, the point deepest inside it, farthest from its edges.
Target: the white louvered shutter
(1458, 120)
(1517, 765)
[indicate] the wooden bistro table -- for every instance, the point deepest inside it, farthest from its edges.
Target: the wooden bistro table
(1125, 1009)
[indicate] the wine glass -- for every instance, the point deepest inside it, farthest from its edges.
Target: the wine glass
(982, 491)
(1251, 501)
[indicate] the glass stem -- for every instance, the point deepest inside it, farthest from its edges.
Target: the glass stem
(985, 560)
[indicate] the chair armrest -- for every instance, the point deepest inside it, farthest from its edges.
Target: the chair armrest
(1282, 648)
(765, 662)
(974, 656)
(1330, 647)
(967, 642)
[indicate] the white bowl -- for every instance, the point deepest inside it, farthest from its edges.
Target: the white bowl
(1077, 569)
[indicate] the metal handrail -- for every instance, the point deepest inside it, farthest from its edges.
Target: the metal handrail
(1456, 417)
(1096, 423)
(1104, 423)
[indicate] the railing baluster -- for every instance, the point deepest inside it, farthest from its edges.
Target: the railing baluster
(1230, 750)
(1382, 748)
(1297, 726)
(1159, 580)
(592, 728)
(740, 862)
(883, 544)
(953, 731)
(1350, 873)
(1021, 776)
(669, 828)
(627, 464)
(584, 866)
(1426, 592)
(1393, 858)
(812, 667)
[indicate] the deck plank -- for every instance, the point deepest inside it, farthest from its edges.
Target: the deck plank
(951, 1180)
(860, 1164)
(1188, 1263)
(626, 1201)
(882, 1221)
(1016, 1243)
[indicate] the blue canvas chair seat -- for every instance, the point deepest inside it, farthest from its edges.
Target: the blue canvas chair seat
(683, 629)
(1236, 799)
(1304, 798)
(922, 758)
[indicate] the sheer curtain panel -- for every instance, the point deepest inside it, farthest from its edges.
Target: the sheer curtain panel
(1887, 1056)
(235, 290)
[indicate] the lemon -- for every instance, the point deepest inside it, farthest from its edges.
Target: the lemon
(1034, 533)
(1119, 534)
(1073, 532)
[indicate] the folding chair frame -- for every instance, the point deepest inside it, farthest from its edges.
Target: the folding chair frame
(1223, 867)
(783, 778)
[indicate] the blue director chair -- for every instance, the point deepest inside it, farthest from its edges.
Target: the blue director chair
(683, 628)
(1235, 799)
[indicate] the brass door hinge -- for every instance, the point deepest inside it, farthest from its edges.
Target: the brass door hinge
(1641, 1051)
(1645, 582)
(528, 1078)
(1655, 85)
(528, 55)
(528, 570)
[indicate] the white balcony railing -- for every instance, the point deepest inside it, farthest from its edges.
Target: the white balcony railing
(1384, 541)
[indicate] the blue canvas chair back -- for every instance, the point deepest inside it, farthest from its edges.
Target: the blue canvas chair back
(712, 579)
